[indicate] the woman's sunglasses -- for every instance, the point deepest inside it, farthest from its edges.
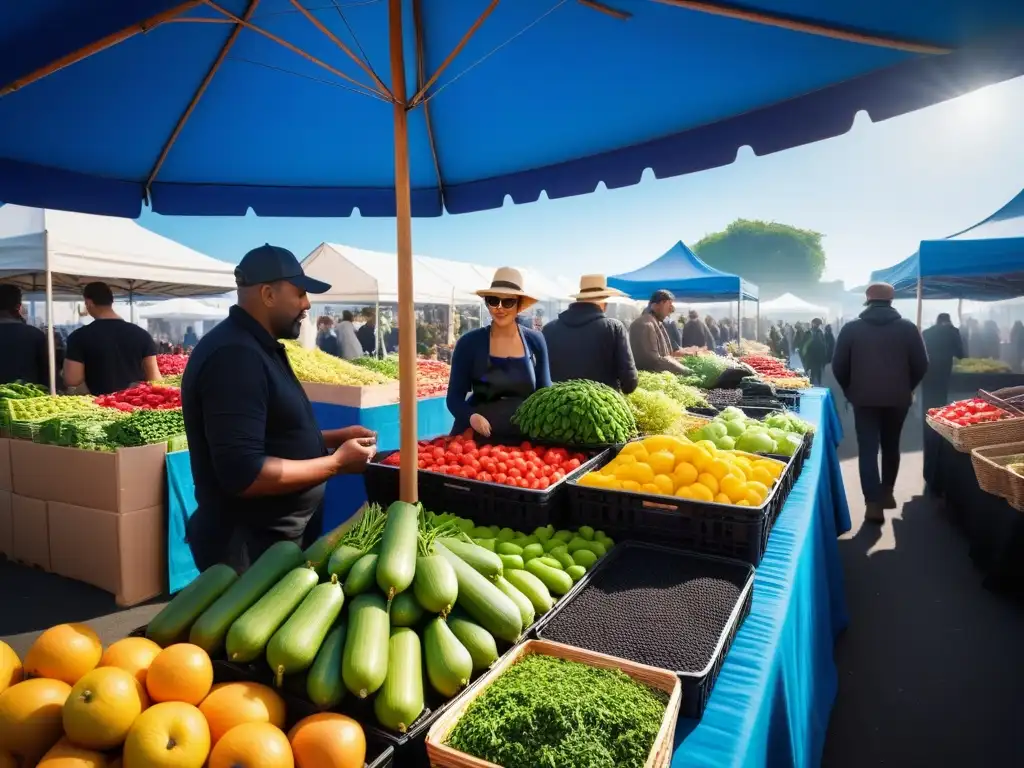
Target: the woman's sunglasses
(495, 301)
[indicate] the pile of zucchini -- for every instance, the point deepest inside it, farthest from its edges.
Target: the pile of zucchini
(367, 611)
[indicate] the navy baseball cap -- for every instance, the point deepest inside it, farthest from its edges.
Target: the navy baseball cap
(270, 263)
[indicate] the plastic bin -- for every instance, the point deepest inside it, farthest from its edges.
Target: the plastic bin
(697, 685)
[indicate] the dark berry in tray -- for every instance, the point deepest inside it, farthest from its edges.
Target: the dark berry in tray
(723, 397)
(661, 608)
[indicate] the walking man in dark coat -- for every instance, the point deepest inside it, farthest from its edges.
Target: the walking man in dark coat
(944, 344)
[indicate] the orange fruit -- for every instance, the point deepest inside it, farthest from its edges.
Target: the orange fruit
(708, 481)
(327, 740)
(102, 707)
(722, 499)
(231, 704)
(64, 754)
(701, 492)
(64, 652)
(30, 717)
(253, 745)
(684, 474)
(172, 734)
(180, 672)
(662, 462)
(10, 668)
(133, 655)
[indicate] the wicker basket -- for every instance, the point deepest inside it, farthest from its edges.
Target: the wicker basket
(990, 467)
(966, 439)
(442, 756)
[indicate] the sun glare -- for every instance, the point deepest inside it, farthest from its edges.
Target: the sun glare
(978, 107)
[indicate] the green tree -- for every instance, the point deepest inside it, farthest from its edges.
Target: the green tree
(765, 252)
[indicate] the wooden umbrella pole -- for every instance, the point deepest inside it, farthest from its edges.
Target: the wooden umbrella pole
(403, 220)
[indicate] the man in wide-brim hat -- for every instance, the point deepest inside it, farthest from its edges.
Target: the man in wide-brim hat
(584, 343)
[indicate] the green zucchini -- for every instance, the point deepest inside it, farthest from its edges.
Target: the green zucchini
(293, 647)
(477, 640)
(576, 572)
(173, 622)
(400, 700)
(563, 535)
(435, 584)
(526, 609)
(481, 532)
(324, 686)
(552, 544)
(251, 631)
(449, 664)
(490, 545)
(557, 581)
(405, 610)
(478, 558)
(397, 564)
(584, 557)
(511, 561)
(534, 589)
(585, 532)
(319, 552)
(545, 533)
(508, 548)
(364, 663)
(505, 534)
(563, 558)
(361, 576)
(578, 543)
(212, 626)
(483, 601)
(551, 562)
(530, 551)
(342, 560)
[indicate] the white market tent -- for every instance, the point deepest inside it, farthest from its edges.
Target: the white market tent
(182, 309)
(788, 305)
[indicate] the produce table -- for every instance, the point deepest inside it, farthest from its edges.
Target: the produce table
(970, 383)
(994, 529)
(771, 703)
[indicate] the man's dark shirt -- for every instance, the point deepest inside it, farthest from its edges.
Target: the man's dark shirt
(23, 353)
(242, 403)
(367, 337)
(112, 352)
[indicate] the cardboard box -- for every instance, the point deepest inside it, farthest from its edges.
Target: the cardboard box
(30, 540)
(353, 397)
(126, 481)
(6, 524)
(123, 553)
(5, 464)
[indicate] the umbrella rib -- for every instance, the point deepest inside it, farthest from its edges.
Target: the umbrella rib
(421, 93)
(367, 90)
(225, 49)
(615, 13)
(821, 29)
(417, 14)
(99, 45)
(380, 87)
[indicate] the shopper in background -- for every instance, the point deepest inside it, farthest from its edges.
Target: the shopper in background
(584, 343)
(944, 345)
(346, 330)
(190, 339)
(24, 356)
(714, 332)
(108, 354)
(696, 333)
(496, 367)
(880, 359)
(830, 343)
(1016, 345)
(259, 461)
(326, 339)
(815, 352)
(648, 338)
(675, 334)
(367, 334)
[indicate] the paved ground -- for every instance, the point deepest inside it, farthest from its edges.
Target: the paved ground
(931, 668)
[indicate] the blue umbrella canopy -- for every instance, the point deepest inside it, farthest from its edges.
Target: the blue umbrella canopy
(287, 106)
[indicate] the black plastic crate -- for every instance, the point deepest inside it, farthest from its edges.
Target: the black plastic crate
(483, 503)
(789, 397)
(704, 527)
(697, 684)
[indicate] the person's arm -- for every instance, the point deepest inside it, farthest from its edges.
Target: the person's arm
(918, 357)
(74, 362)
(460, 379)
(625, 367)
(542, 368)
(958, 346)
(151, 369)
(841, 359)
(335, 438)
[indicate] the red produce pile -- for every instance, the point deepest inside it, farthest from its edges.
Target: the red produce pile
(768, 366)
(146, 396)
(431, 378)
(523, 466)
(171, 365)
(964, 413)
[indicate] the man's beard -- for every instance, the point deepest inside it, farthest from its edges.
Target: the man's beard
(289, 329)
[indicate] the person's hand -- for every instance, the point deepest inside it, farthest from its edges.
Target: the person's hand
(353, 454)
(356, 431)
(480, 424)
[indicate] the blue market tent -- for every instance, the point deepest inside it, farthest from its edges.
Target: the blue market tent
(681, 271)
(984, 262)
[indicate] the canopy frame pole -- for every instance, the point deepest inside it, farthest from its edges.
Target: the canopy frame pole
(214, 68)
(100, 45)
(51, 345)
(808, 26)
(757, 320)
(920, 302)
(959, 312)
(408, 490)
(739, 321)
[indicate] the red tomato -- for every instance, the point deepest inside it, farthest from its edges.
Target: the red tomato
(469, 472)
(514, 473)
(534, 484)
(520, 465)
(500, 478)
(525, 445)
(421, 464)
(485, 450)
(503, 466)
(438, 453)
(456, 448)
(543, 483)
(547, 470)
(485, 477)
(469, 445)
(572, 464)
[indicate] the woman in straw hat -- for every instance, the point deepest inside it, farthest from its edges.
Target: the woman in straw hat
(583, 343)
(496, 367)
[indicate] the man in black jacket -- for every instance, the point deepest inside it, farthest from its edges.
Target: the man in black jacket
(879, 360)
(944, 344)
(25, 356)
(585, 344)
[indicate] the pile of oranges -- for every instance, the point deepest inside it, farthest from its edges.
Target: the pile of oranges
(72, 704)
(672, 466)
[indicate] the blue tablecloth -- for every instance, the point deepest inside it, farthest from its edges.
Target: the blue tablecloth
(771, 703)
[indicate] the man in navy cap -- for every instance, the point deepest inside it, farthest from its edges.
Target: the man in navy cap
(259, 460)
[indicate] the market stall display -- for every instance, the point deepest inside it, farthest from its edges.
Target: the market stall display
(431, 375)
(171, 365)
(980, 365)
(576, 413)
(146, 396)
(779, 433)
(975, 423)
(318, 367)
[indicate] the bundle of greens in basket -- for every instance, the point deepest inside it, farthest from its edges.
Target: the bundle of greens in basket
(86, 430)
(145, 427)
(25, 416)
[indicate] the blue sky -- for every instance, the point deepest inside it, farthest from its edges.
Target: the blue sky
(874, 192)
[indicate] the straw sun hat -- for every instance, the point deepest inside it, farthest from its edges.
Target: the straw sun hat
(595, 288)
(508, 283)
